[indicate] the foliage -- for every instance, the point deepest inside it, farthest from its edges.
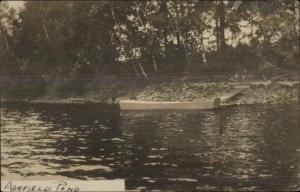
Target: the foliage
(91, 39)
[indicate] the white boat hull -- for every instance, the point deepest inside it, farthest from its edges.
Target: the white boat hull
(164, 105)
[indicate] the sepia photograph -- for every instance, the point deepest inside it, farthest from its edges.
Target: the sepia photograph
(153, 95)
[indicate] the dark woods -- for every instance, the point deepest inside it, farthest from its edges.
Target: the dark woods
(142, 39)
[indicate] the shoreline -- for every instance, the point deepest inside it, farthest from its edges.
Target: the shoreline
(259, 92)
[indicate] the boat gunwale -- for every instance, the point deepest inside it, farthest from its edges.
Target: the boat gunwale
(164, 102)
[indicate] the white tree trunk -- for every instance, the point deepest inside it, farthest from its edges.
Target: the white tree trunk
(142, 70)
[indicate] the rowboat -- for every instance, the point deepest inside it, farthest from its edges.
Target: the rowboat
(165, 105)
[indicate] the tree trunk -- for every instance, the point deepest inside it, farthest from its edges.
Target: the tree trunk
(251, 29)
(135, 69)
(142, 70)
(151, 38)
(232, 38)
(113, 13)
(222, 25)
(154, 63)
(217, 32)
(165, 38)
(164, 10)
(296, 12)
(203, 51)
(132, 61)
(181, 41)
(47, 8)
(178, 41)
(45, 31)
(6, 43)
(139, 16)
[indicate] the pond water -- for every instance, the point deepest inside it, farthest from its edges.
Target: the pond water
(239, 148)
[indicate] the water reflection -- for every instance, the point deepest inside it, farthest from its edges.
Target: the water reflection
(243, 148)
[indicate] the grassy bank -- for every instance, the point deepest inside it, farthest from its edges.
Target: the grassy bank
(183, 90)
